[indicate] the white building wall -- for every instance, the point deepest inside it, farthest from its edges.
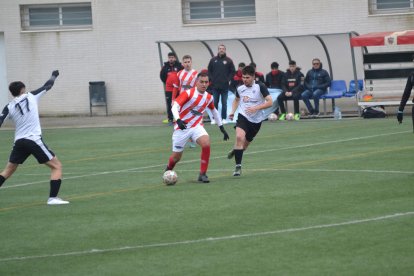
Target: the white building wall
(121, 50)
(3, 75)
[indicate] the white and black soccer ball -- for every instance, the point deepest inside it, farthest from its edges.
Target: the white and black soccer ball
(170, 177)
(289, 116)
(272, 117)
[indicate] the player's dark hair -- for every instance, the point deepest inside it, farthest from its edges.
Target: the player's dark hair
(15, 88)
(187, 57)
(172, 54)
(292, 62)
(202, 74)
(242, 64)
(248, 70)
(274, 65)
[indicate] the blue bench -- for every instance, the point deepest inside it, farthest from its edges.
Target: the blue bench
(337, 90)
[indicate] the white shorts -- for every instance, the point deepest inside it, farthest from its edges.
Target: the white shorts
(180, 137)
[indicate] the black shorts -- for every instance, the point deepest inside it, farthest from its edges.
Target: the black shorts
(250, 128)
(23, 148)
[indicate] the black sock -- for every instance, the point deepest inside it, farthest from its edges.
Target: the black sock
(2, 179)
(54, 187)
(238, 155)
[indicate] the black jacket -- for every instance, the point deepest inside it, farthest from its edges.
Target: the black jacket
(276, 81)
(317, 79)
(221, 71)
(176, 66)
(293, 81)
(258, 76)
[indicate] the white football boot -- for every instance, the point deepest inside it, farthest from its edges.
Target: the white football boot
(56, 201)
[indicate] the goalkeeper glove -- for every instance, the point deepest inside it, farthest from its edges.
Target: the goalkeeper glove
(400, 116)
(225, 135)
(181, 124)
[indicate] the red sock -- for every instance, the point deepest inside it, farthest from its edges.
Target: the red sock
(205, 157)
(171, 163)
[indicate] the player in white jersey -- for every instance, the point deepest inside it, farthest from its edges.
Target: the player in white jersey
(251, 99)
(188, 111)
(23, 111)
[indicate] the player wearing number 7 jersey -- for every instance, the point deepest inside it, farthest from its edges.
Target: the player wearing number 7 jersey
(188, 111)
(23, 111)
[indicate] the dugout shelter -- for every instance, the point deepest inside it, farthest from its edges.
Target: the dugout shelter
(334, 50)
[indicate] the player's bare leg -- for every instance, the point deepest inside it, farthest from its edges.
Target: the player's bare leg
(175, 157)
(241, 140)
(204, 142)
(55, 181)
(7, 172)
(55, 168)
(240, 145)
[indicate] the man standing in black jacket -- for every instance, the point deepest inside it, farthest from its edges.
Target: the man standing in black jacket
(221, 71)
(168, 76)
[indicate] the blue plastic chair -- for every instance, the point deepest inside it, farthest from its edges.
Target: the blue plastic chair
(336, 91)
(352, 91)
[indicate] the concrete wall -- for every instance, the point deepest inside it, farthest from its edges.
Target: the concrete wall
(120, 49)
(3, 75)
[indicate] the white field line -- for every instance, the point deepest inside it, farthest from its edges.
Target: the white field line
(204, 240)
(138, 170)
(287, 170)
(217, 157)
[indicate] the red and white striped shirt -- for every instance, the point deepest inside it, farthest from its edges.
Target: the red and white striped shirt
(187, 79)
(193, 104)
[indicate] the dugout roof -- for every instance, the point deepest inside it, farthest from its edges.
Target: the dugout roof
(334, 50)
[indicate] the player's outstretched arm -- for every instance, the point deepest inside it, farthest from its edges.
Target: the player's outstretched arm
(225, 134)
(48, 85)
(400, 116)
(234, 107)
(175, 111)
(4, 114)
(217, 117)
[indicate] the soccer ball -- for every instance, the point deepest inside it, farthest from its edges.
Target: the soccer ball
(170, 178)
(289, 116)
(272, 117)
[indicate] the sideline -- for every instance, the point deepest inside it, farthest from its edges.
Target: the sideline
(209, 239)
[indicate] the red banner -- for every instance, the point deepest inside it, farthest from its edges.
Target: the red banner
(383, 38)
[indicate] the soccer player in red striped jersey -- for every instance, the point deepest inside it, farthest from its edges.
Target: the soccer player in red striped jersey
(188, 110)
(187, 76)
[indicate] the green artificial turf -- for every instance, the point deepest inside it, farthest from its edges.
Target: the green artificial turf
(316, 197)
